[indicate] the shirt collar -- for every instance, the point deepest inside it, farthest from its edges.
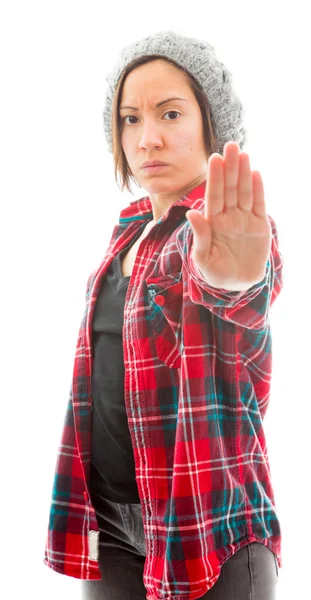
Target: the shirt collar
(142, 209)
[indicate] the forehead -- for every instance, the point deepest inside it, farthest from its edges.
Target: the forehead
(157, 80)
(156, 84)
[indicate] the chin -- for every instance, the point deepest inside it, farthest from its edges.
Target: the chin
(156, 187)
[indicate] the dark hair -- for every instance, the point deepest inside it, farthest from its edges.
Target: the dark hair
(121, 166)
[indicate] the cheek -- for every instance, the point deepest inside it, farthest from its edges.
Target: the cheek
(186, 141)
(125, 140)
(185, 145)
(191, 145)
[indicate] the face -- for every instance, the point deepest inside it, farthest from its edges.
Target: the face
(171, 133)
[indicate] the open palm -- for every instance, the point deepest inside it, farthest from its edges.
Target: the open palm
(232, 241)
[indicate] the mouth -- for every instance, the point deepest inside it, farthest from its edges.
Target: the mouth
(154, 168)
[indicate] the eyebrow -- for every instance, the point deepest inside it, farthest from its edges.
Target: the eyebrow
(157, 105)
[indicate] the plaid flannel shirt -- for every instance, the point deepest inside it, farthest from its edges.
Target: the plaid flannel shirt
(197, 384)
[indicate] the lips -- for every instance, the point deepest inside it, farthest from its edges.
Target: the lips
(153, 164)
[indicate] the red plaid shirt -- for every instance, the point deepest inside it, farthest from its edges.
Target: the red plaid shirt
(197, 384)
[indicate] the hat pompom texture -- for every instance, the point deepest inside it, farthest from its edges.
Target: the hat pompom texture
(198, 58)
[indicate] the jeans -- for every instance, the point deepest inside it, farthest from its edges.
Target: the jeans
(250, 574)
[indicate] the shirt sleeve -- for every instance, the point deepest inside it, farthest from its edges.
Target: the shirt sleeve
(248, 308)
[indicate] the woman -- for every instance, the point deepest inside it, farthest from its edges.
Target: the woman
(162, 486)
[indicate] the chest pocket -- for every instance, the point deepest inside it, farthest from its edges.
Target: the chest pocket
(165, 294)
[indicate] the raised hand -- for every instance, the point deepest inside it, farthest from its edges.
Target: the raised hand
(232, 241)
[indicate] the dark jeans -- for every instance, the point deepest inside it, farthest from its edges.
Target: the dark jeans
(250, 574)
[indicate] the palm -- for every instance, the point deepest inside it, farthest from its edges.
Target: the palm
(231, 242)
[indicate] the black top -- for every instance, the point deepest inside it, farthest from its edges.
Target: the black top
(112, 473)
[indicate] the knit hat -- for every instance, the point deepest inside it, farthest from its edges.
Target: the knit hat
(198, 58)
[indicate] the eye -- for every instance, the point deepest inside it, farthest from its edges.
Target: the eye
(172, 112)
(167, 113)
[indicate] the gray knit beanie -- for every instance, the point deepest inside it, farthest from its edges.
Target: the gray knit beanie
(198, 58)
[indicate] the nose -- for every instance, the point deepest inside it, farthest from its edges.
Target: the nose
(150, 136)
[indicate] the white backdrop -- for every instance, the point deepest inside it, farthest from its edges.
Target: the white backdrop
(59, 203)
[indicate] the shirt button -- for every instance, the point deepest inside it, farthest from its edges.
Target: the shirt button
(160, 300)
(85, 494)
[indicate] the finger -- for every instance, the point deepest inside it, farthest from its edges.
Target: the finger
(245, 185)
(214, 198)
(259, 205)
(231, 174)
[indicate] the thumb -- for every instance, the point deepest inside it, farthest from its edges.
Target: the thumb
(202, 235)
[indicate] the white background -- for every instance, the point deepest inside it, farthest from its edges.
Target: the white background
(59, 203)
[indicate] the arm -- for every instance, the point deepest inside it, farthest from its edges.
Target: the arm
(247, 308)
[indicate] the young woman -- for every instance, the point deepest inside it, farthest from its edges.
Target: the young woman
(162, 487)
